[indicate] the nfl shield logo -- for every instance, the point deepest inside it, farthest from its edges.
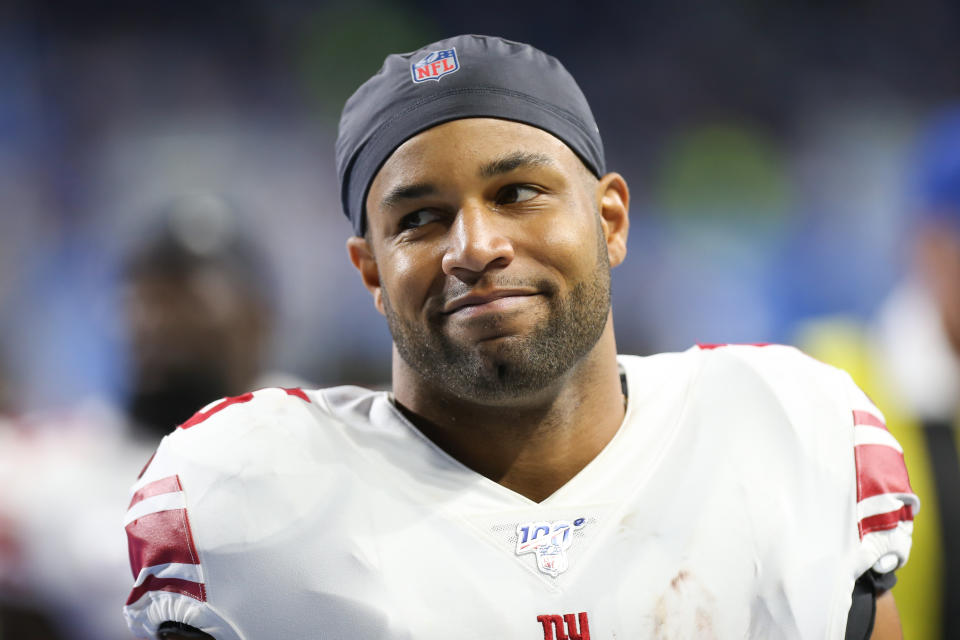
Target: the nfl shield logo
(435, 65)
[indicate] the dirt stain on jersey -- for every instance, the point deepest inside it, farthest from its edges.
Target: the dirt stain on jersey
(685, 610)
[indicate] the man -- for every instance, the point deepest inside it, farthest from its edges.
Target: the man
(521, 480)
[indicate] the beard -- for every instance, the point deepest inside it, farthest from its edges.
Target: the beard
(520, 365)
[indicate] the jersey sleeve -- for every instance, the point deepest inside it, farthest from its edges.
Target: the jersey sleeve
(836, 417)
(169, 582)
(171, 577)
(886, 504)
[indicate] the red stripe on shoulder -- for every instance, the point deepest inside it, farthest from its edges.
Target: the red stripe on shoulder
(880, 469)
(868, 419)
(155, 488)
(706, 346)
(200, 416)
(195, 590)
(160, 538)
(885, 521)
(299, 393)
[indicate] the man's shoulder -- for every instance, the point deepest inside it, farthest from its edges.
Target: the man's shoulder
(769, 361)
(273, 408)
(243, 469)
(242, 432)
(782, 368)
(748, 379)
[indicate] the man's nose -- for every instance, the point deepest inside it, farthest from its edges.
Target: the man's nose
(478, 243)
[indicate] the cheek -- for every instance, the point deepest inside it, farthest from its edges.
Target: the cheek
(568, 241)
(407, 277)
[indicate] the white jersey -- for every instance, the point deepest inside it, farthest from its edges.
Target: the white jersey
(745, 492)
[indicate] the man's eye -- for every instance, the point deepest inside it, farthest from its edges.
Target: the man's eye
(417, 219)
(516, 193)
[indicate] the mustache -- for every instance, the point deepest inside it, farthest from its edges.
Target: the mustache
(454, 289)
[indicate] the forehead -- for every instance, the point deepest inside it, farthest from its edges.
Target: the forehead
(461, 146)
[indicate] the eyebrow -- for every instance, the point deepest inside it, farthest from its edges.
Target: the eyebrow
(404, 192)
(500, 166)
(516, 160)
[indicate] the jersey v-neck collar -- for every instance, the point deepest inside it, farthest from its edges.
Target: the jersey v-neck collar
(654, 406)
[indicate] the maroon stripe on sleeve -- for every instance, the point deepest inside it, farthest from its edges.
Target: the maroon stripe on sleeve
(706, 346)
(169, 484)
(159, 538)
(298, 393)
(200, 416)
(867, 418)
(176, 585)
(880, 469)
(884, 521)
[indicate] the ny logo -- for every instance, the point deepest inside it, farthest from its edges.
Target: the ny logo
(565, 627)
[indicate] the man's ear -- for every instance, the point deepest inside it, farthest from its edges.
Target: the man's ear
(361, 255)
(613, 202)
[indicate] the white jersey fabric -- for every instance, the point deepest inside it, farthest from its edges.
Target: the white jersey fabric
(746, 490)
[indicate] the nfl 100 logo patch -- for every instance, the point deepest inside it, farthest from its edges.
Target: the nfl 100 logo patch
(435, 65)
(549, 541)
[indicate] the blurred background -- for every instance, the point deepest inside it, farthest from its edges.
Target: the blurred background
(769, 148)
(764, 144)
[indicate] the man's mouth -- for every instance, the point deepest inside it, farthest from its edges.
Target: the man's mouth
(495, 300)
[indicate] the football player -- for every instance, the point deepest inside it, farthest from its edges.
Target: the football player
(521, 480)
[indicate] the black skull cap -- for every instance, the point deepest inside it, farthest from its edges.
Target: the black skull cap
(466, 76)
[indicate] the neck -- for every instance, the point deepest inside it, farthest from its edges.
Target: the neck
(532, 446)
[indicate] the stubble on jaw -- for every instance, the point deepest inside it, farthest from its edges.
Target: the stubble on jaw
(520, 365)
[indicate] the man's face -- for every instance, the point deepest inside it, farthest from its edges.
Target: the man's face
(194, 337)
(491, 258)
